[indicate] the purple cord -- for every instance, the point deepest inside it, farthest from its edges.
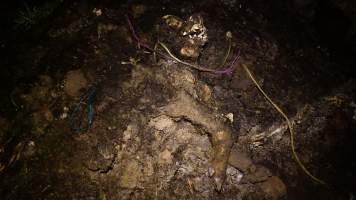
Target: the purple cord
(137, 38)
(231, 68)
(132, 29)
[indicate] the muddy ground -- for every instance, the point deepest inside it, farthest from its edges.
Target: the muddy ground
(87, 112)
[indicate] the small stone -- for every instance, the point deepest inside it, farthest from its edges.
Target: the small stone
(165, 157)
(162, 123)
(230, 117)
(234, 176)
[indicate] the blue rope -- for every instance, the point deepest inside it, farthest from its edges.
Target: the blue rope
(75, 118)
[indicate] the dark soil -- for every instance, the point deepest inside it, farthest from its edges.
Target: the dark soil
(144, 143)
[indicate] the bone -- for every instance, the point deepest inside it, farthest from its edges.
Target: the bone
(186, 107)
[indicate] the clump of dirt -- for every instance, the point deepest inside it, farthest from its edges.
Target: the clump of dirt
(74, 82)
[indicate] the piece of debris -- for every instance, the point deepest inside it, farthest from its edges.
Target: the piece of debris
(230, 117)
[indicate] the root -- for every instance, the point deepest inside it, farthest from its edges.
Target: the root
(290, 127)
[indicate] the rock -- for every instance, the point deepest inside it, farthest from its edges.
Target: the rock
(131, 174)
(233, 175)
(230, 117)
(240, 160)
(165, 157)
(162, 123)
(74, 82)
(274, 188)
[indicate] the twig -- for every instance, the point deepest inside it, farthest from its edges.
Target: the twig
(291, 130)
